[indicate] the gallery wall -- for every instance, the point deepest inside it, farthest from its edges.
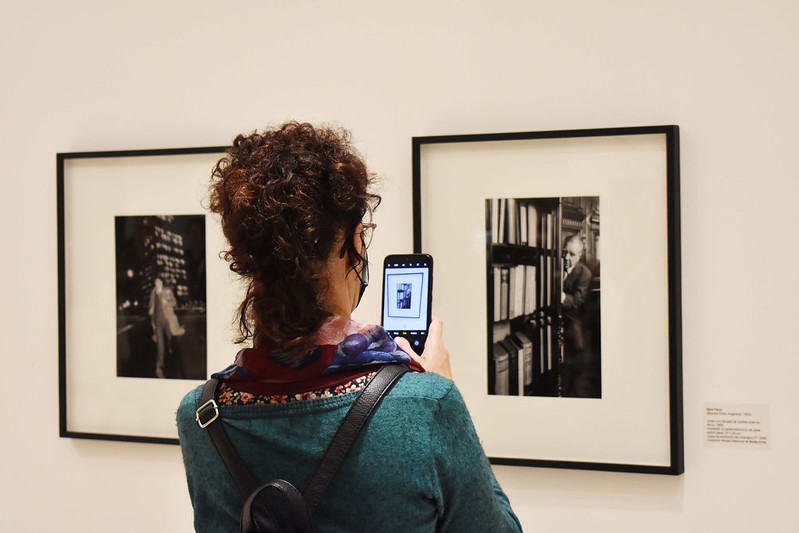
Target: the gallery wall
(91, 75)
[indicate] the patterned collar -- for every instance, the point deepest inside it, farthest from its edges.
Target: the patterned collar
(340, 349)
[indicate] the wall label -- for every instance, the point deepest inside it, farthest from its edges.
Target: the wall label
(737, 426)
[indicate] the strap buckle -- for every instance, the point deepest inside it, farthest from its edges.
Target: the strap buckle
(204, 410)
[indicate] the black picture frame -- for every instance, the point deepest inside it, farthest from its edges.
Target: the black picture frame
(634, 422)
(98, 193)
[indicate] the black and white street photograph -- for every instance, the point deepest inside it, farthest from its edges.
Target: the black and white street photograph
(544, 297)
(161, 296)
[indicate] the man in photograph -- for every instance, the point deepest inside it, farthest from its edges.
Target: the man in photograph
(576, 287)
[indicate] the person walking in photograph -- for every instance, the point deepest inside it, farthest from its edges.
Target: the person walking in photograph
(164, 322)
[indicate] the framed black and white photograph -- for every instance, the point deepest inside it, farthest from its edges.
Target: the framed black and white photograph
(568, 350)
(144, 299)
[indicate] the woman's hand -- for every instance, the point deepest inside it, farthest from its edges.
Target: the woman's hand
(435, 357)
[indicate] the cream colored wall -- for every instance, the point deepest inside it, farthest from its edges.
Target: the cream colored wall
(95, 75)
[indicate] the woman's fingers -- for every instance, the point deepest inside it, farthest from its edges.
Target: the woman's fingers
(435, 357)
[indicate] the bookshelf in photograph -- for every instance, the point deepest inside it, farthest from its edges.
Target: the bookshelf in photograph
(543, 296)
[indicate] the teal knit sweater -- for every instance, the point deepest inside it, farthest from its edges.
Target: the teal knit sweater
(417, 466)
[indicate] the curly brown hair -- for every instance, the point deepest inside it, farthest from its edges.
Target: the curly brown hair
(284, 195)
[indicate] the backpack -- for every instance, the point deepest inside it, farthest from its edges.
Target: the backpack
(295, 509)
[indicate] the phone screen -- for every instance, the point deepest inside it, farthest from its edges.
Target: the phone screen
(407, 295)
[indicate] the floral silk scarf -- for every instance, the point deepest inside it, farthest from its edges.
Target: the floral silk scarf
(341, 349)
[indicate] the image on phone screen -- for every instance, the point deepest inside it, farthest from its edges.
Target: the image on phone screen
(406, 297)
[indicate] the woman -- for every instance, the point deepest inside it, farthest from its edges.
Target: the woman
(295, 207)
(164, 322)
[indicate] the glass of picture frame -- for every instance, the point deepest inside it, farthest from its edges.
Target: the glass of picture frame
(139, 310)
(558, 260)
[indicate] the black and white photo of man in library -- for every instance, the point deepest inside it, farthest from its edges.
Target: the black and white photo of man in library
(580, 368)
(403, 296)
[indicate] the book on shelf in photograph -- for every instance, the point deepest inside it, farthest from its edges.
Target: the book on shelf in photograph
(526, 358)
(515, 221)
(500, 369)
(514, 291)
(512, 365)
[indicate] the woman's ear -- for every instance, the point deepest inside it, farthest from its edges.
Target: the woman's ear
(339, 245)
(357, 238)
(347, 245)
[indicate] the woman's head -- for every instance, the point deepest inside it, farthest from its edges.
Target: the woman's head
(290, 200)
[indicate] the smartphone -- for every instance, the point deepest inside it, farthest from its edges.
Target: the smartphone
(408, 297)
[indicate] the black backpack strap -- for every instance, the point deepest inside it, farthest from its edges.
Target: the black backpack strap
(348, 431)
(256, 517)
(207, 414)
